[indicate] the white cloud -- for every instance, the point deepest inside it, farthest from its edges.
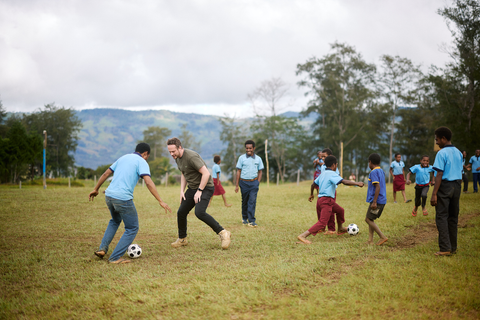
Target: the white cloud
(203, 56)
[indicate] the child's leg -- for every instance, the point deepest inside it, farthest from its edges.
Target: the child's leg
(404, 197)
(340, 214)
(375, 228)
(224, 201)
(394, 196)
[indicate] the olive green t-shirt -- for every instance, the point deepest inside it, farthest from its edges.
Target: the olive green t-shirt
(189, 164)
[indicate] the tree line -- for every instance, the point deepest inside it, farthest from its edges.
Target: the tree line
(388, 107)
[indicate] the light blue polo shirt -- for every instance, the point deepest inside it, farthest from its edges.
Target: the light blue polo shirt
(126, 172)
(324, 167)
(327, 183)
(475, 161)
(422, 174)
(249, 166)
(216, 169)
(397, 167)
(449, 161)
(377, 176)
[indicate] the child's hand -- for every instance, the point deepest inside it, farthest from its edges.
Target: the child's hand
(310, 198)
(373, 206)
(409, 182)
(360, 184)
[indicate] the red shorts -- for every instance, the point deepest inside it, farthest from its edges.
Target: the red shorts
(218, 187)
(399, 183)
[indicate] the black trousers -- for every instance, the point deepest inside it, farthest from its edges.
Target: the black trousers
(447, 210)
(421, 193)
(465, 181)
(200, 211)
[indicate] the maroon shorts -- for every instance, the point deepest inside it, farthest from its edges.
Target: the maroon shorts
(399, 183)
(315, 176)
(218, 187)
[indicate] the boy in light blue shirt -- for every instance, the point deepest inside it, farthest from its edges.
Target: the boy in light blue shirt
(447, 190)
(423, 177)
(119, 198)
(249, 174)
(326, 204)
(474, 163)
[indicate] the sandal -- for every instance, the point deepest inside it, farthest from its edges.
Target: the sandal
(414, 212)
(379, 243)
(100, 254)
(425, 212)
(120, 261)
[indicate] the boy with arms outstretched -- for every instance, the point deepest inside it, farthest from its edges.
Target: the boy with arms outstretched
(119, 198)
(423, 177)
(326, 204)
(377, 197)
(446, 193)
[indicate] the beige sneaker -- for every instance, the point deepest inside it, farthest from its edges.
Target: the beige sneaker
(225, 238)
(180, 242)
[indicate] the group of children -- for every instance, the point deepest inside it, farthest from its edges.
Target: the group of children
(445, 175)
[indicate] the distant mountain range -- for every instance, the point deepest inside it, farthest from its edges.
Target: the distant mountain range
(108, 134)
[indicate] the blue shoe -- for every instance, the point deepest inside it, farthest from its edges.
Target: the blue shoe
(245, 222)
(253, 224)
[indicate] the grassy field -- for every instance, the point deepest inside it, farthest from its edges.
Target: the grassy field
(47, 269)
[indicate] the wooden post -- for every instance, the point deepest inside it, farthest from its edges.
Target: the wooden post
(278, 177)
(341, 159)
(298, 177)
(166, 179)
(69, 182)
(20, 184)
(143, 183)
(95, 180)
(268, 168)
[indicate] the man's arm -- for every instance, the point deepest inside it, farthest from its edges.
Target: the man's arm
(205, 176)
(183, 184)
(438, 182)
(102, 179)
(153, 190)
(239, 171)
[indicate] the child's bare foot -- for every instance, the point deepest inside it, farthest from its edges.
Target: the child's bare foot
(369, 242)
(341, 231)
(382, 241)
(304, 240)
(227, 205)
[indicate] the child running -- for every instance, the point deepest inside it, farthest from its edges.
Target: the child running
(423, 177)
(216, 171)
(326, 204)
(377, 197)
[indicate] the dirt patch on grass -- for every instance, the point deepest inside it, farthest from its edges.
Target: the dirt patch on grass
(427, 231)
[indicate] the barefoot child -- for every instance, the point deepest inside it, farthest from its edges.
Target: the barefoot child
(423, 177)
(376, 196)
(216, 171)
(326, 205)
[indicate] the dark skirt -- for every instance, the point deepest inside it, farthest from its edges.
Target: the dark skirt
(218, 187)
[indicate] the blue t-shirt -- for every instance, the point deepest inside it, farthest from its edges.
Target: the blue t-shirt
(318, 167)
(397, 167)
(475, 161)
(377, 176)
(249, 166)
(216, 169)
(126, 172)
(422, 174)
(449, 161)
(327, 183)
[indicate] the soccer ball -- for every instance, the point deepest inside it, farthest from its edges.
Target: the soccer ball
(134, 251)
(352, 229)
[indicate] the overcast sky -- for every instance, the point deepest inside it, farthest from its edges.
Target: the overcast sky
(193, 56)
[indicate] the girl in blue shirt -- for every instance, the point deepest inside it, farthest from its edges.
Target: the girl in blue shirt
(216, 171)
(423, 177)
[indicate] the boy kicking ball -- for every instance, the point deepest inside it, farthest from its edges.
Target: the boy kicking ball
(377, 197)
(326, 204)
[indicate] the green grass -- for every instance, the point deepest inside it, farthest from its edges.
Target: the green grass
(48, 236)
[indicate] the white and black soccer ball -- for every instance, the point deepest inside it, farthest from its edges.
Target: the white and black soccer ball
(352, 229)
(134, 251)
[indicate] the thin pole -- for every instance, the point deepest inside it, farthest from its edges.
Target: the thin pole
(298, 177)
(341, 159)
(266, 159)
(44, 159)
